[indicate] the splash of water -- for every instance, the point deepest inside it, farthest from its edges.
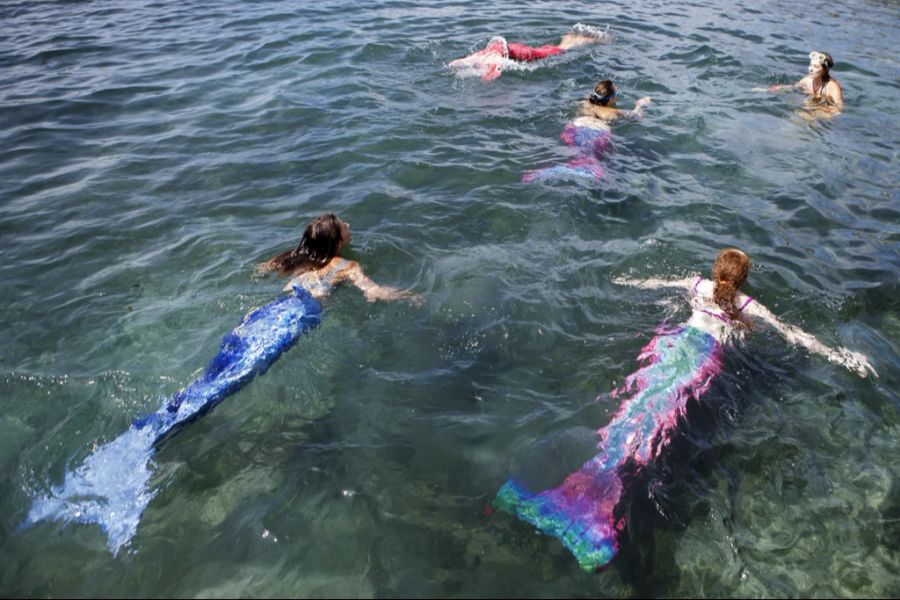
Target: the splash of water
(603, 36)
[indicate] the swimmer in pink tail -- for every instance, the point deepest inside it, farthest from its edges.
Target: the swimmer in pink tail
(590, 133)
(585, 512)
(499, 54)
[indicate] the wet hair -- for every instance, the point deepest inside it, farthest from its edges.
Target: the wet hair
(828, 64)
(603, 93)
(728, 274)
(322, 240)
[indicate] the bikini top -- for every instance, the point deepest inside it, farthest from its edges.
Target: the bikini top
(720, 315)
(318, 283)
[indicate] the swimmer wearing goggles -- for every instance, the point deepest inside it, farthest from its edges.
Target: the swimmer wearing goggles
(820, 58)
(602, 101)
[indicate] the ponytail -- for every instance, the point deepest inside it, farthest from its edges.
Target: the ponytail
(729, 273)
(724, 294)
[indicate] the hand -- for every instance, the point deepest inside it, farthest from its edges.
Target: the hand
(777, 87)
(642, 102)
(858, 362)
(416, 300)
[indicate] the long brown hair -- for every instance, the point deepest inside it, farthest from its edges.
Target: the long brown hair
(729, 273)
(828, 64)
(322, 240)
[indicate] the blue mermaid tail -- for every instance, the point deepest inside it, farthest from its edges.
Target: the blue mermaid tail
(593, 143)
(110, 487)
(581, 512)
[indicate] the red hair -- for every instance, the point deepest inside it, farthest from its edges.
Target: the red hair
(729, 273)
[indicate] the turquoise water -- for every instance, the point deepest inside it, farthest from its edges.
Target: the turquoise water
(151, 155)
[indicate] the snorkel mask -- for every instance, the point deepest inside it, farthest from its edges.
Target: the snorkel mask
(596, 98)
(820, 58)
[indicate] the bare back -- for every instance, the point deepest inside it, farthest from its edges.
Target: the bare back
(604, 113)
(320, 282)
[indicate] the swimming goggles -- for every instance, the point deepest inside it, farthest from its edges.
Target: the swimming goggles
(818, 58)
(602, 100)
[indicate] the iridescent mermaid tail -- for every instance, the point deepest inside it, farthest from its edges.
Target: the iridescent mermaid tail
(582, 511)
(593, 144)
(110, 487)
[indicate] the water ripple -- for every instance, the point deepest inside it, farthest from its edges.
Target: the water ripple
(151, 154)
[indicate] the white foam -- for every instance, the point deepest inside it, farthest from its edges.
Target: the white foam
(109, 488)
(603, 36)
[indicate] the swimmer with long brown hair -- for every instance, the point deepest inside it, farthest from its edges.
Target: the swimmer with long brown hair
(111, 487)
(316, 265)
(818, 84)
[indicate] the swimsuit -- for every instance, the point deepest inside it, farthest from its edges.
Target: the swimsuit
(321, 286)
(110, 487)
(704, 310)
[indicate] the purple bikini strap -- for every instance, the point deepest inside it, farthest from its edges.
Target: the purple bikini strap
(744, 305)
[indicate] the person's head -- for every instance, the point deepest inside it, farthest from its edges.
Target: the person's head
(604, 93)
(820, 63)
(322, 240)
(729, 273)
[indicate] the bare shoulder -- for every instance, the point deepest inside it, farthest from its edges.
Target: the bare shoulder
(805, 84)
(343, 263)
(603, 113)
(344, 268)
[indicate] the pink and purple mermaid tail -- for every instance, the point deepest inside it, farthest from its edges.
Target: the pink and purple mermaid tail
(582, 511)
(593, 144)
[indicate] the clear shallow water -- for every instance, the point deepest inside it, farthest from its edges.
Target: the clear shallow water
(152, 155)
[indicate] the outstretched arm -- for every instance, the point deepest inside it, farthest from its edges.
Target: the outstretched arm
(652, 283)
(780, 87)
(372, 291)
(638, 111)
(854, 361)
